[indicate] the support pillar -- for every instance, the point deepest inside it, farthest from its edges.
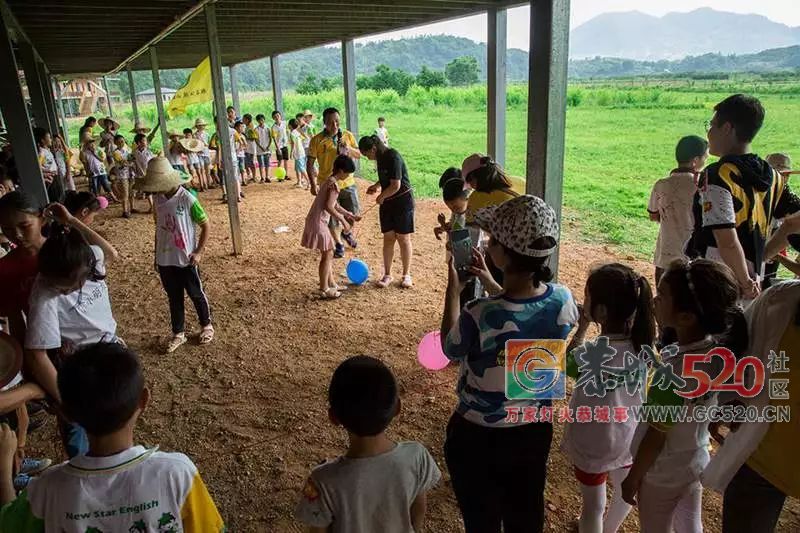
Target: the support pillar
(132, 91)
(29, 66)
(224, 158)
(62, 115)
(275, 71)
(349, 82)
(162, 120)
(108, 97)
(547, 106)
(233, 72)
(15, 115)
(496, 85)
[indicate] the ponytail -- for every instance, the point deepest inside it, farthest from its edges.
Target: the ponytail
(643, 330)
(67, 255)
(489, 176)
(736, 337)
(368, 142)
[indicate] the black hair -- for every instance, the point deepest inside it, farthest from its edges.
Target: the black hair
(363, 395)
(329, 111)
(745, 113)
(260, 116)
(65, 254)
(293, 123)
(345, 164)
(187, 130)
(75, 201)
(454, 188)
(39, 134)
(238, 123)
(230, 108)
(276, 112)
(138, 137)
(489, 176)
(101, 386)
(690, 147)
(88, 121)
(708, 290)
(537, 267)
(627, 297)
(368, 142)
(449, 174)
(118, 137)
(18, 201)
(299, 116)
(247, 116)
(381, 119)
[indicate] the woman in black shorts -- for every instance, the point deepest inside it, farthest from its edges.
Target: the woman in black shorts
(397, 206)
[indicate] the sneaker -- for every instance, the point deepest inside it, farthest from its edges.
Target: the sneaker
(349, 239)
(31, 466)
(406, 283)
(21, 482)
(338, 251)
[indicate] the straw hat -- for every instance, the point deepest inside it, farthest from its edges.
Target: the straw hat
(140, 128)
(308, 113)
(200, 122)
(114, 123)
(161, 177)
(174, 133)
(10, 359)
(193, 145)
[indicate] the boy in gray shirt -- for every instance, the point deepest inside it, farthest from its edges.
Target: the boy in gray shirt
(379, 484)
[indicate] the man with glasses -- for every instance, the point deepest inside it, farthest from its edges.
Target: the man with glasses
(738, 196)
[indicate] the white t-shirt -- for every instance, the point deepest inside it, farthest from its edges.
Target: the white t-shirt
(174, 155)
(69, 321)
(383, 135)
(250, 136)
(298, 152)
(368, 494)
(175, 227)
(672, 199)
(263, 133)
(137, 489)
(685, 452)
(203, 136)
(598, 447)
(47, 161)
(94, 166)
(141, 158)
(279, 134)
(120, 157)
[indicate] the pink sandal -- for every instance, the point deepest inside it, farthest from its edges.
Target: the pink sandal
(385, 281)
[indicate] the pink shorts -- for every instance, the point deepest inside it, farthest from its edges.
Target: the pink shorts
(592, 480)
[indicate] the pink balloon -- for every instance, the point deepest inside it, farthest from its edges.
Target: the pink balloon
(429, 352)
(103, 201)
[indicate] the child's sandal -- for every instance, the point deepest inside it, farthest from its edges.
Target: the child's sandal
(384, 282)
(176, 342)
(206, 334)
(331, 294)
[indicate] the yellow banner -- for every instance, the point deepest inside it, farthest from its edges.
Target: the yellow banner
(196, 90)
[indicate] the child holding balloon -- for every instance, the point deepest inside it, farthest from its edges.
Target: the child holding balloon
(317, 235)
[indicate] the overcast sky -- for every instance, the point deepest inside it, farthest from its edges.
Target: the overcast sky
(785, 11)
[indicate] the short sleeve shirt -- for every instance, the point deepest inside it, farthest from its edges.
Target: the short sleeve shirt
(47, 161)
(279, 134)
(121, 157)
(298, 151)
(69, 321)
(137, 489)
(94, 166)
(251, 137)
(203, 136)
(325, 149)
(175, 227)
(478, 342)
(141, 158)
(263, 134)
(672, 199)
(369, 494)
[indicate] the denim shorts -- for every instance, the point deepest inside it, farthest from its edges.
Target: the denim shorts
(263, 160)
(205, 161)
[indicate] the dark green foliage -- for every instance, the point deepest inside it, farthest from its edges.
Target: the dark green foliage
(462, 71)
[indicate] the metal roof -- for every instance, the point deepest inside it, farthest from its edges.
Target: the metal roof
(94, 36)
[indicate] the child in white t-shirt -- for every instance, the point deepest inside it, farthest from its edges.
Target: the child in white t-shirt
(621, 302)
(381, 132)
(378, 484)
(141, 156)
(671, 202)
(178, 248)
(205, 155)
(298, 154)
(262, 148)
(122, 158)
(699, 300)
(69, 305)
(117, 486)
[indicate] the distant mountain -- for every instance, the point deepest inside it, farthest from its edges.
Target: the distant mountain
(635, 35)
(776, 60)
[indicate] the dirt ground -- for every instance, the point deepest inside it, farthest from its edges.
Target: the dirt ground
(250, 408)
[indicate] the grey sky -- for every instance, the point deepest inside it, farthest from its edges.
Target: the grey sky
(785, 11)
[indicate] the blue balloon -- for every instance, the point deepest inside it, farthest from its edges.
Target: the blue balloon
(357, 271)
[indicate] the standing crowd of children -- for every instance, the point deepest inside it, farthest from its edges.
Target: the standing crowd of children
(720, 225)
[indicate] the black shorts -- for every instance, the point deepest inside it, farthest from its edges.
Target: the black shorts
(282, 154)
(399, 219)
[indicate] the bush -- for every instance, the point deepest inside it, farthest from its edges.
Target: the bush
(428, 78)
(462, 71)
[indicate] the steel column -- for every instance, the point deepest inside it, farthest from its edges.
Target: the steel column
(162, 119)
(349, 82)
(132, 91)
(496, 84)
(275, 71)
(233, 72)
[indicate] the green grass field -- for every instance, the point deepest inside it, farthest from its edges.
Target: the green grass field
(620, 138)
